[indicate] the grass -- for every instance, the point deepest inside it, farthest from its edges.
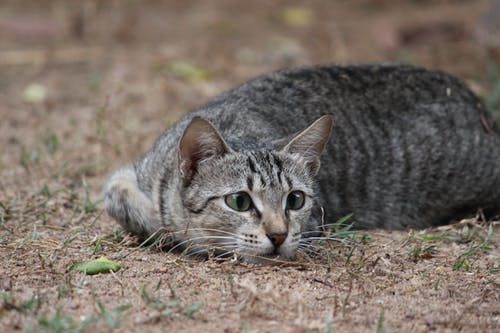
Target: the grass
(48, 143)
(88, 205)
(479, 238)
(59, 322)
(477, 234)
(380, 323)
(171, 306)
(328, 324)
(24, 307)
(114, 317)
(51, 143)
(341, 230)
(423, 251)
(29, 156)
(96, 246)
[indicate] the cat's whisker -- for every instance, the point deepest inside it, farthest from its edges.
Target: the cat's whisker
(183, 231)
(211, 229)
(233, 244)
(313, 244)
(328, 238)
(310, 247)
(207, 248)
(215, 245)
(307, 241)
(307, 251)
(318, 239)
(225, 254)
(195, 253)
(190, 240)
(158, 234)
(179, 245)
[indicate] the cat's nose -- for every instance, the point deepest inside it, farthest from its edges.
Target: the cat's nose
(277, 238)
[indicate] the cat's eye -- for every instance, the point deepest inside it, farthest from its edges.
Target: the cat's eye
(295, 200)
(240, 201)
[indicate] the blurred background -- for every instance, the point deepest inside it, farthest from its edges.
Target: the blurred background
(87, 85)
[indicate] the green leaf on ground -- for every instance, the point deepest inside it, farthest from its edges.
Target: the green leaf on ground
(91, 267)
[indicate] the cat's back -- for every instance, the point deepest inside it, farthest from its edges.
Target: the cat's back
(283, 102)
(280, 103)
(308, 92)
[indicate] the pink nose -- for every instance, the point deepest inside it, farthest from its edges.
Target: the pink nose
(277, 238)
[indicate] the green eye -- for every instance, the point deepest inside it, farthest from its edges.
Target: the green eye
(240, 201)
(295, 200)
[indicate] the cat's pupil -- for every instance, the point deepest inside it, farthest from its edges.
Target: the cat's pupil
(295, 200)
(240, 201)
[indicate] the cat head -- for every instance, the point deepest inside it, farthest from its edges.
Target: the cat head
(255, 203)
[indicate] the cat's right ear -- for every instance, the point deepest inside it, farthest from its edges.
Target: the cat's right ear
(199, 142)
(310, 143)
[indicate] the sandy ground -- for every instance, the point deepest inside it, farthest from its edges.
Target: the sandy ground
(86, 88)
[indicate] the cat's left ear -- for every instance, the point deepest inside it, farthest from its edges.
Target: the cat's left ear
(311, 142)
(199, 142)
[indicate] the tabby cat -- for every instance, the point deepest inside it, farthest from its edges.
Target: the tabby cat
(258, 169)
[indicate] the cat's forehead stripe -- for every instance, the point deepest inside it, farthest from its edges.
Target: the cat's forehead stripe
(251, 164)
(267, 168)
(278, 162)
(250, 183)
(279, 166)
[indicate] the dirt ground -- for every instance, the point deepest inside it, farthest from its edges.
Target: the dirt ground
(87, 86)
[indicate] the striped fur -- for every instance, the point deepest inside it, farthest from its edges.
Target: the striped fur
(409, 148)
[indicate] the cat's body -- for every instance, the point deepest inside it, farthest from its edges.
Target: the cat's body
(408, 148)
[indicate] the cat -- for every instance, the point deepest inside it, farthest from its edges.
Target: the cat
(258, 169)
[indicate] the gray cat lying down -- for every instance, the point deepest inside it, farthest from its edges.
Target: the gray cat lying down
(252, 171)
